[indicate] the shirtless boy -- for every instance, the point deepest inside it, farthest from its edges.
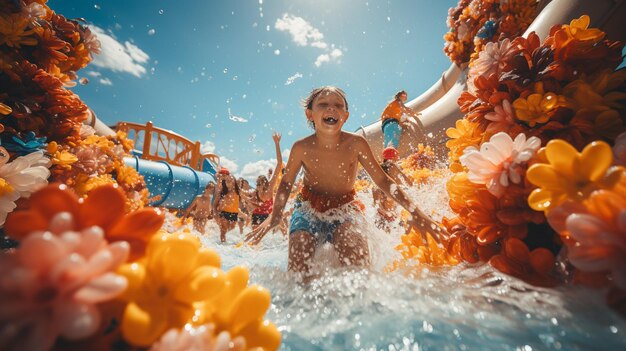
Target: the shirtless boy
(201, 208)
(330, 159)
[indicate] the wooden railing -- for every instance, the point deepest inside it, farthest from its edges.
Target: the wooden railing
(158, 144)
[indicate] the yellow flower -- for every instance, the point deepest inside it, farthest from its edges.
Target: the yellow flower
(568, 174)
(5, 187)
(578, 29)
(537, 108)
(162, 287)
(464, 134)
(239, 309)
(84, 183)
(62, 158)
(14, 32)
(98, 141)
(413, 248)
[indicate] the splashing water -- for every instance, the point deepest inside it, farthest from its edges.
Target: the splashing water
(236, 118)
(464, 307)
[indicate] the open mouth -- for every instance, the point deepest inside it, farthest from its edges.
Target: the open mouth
(330, 120)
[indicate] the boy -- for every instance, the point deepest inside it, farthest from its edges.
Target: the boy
(330, 159)
(201, 208)
(393, 119)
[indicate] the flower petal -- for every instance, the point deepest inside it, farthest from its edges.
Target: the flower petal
(102, 288)
(103, 207)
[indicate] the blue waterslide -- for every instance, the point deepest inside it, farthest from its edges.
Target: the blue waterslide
(174, 187)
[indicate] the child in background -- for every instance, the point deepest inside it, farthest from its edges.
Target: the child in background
(393, 118)
(227, 203)
(246, 207)
(266, 189)
(330, 158)
(201, 209)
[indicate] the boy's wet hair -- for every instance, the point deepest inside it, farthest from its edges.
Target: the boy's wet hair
(307, 102)
(397, 96)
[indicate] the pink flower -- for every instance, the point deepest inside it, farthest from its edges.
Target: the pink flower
(601, 245)
(91, 160)
(198, 339)
(53, 282)
(502, 118)
(499, 160)
(492, 60)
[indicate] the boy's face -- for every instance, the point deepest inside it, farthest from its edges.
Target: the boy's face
(328, 112)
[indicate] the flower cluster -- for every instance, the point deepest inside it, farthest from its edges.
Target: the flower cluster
(474, 23)
(523, 94)
(85, 265)
(40, 52)
(97, 160)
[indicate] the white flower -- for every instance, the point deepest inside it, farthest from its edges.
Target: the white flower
(20, 178)
(499, 160)
(199, 338)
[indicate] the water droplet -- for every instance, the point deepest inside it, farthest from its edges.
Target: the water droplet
(151, 31)
(235, 77)
(96, 6)
(208, 125)
(276, 52)
(161, 11)
(83, 81)
(225, 70)
(252, 137)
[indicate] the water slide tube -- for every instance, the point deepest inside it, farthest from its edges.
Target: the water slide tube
(438, 105)
(172, 186)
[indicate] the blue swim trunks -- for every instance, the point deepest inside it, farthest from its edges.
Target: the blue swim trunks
(322, 230)
(391, 132)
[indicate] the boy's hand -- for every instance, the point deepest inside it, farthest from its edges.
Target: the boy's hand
(424, 225)
(257, 235)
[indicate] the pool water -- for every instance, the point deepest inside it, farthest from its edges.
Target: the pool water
(464, 307)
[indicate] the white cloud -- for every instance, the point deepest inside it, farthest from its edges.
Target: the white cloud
(228, 164)
(304, 34)
(254, 169)
(105, 81)
(336, 54)
(208, 146)
(94, 73)
(251, 171)
(321, 59)
(118, 57)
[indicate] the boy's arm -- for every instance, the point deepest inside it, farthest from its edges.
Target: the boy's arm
(389, 187)
(397, 172)
(282, 195)
(216, 192)
(279, 165)
(193, 205)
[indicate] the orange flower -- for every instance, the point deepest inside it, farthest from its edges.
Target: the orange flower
(535, 266)
(14, 31)
(537, 108)
(104, 207)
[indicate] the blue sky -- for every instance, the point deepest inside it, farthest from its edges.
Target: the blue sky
(200, 68)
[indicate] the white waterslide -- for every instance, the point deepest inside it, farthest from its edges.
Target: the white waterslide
(438, 105)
